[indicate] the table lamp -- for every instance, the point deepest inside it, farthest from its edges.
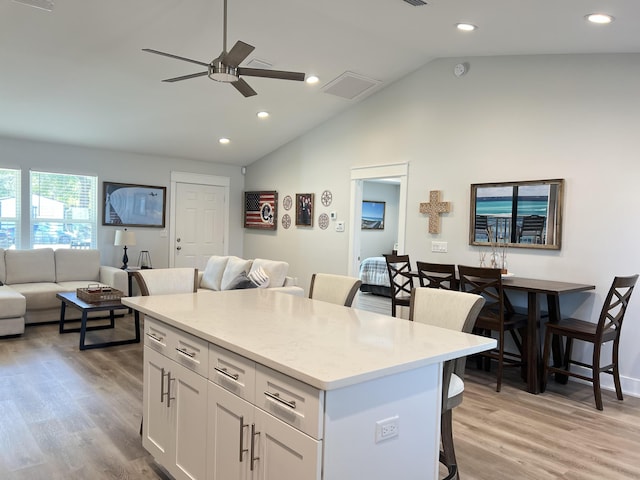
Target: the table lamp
(124, 238)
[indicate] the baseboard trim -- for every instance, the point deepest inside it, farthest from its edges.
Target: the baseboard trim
(630, 386)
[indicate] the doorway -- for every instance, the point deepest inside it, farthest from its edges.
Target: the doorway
(398, 172)
(199, 219)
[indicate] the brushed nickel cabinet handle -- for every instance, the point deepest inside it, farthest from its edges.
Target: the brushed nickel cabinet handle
(242, 449)
(253, 436)
(276, 397)
(225, 372)
(184, 351)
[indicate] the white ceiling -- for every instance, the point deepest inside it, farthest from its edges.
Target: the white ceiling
(77, 74)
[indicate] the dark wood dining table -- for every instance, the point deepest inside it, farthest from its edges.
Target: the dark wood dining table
(534, 288)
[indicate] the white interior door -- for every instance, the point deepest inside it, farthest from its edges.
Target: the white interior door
(199, 224)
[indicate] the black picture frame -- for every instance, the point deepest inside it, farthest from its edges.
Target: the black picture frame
(304, 209)
(373, 213)
(133, 205)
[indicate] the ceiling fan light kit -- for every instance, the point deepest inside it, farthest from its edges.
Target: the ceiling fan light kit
(225, 68)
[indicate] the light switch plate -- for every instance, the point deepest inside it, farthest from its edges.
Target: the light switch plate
(340, 226)
(439, 247)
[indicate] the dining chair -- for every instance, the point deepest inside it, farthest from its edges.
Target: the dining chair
(437, 275)
(455, 311)
(338, 289)
(164, 281)
(497, 315)
(607, 330)
(401, 281)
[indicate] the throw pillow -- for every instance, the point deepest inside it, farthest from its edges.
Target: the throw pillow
(235, 266)
(259, 277)
(212, 276)
(275, 270)
(241, 282)
(255, 279)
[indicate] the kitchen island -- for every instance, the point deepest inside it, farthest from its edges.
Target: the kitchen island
(258, 384)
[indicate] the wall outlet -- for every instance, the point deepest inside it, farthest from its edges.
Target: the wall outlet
(340, 226)
(387, 428)
(439, 247)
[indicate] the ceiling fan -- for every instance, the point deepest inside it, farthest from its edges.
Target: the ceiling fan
(225, 68)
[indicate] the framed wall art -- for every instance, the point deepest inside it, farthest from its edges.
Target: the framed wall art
(304, 209)
(260, 210)
(131, 205)
(372, 215)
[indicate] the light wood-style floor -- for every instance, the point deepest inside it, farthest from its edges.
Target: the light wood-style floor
(66, 414)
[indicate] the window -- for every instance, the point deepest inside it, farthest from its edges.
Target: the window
(63, 210)
(9, 207)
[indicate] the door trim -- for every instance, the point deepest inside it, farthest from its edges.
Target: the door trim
(197, 179)
(358, 175)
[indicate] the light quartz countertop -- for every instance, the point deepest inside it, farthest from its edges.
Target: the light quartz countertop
(324, 345)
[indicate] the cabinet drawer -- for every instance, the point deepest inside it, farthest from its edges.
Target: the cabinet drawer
(156, 335)
(232, 372)
(290, 400)
(190, 351)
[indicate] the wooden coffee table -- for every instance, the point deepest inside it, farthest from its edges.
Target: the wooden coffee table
(72, 300)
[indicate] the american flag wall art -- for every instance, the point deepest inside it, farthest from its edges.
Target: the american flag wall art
(260, 210)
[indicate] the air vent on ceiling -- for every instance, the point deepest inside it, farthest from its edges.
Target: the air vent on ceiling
(257, 63)
(416, 3)
(350, 85)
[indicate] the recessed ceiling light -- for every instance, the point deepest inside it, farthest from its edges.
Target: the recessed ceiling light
(262, 114)
(311, 79)
(466, 27)
(601, 18)
(224, 141)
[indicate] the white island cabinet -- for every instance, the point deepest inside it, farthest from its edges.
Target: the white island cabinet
(260, 385)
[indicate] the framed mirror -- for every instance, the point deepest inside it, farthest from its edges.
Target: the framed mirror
(520, 214)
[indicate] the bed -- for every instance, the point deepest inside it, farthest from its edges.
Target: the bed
(374, 276)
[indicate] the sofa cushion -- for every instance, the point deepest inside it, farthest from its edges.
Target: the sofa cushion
(40, 295)
(74, 264)
(30, 266)
(235, 266)
(13, 304)
(275, 270)
(212, 276)
(3, 275)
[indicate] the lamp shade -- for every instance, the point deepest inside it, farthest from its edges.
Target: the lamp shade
(124, 237)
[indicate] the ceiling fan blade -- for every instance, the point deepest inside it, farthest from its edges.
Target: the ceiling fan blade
(157, 52)
(238, 53)
(186, 77)
(244, 88)
(279, 74)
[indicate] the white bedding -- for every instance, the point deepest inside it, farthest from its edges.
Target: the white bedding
(373, 271)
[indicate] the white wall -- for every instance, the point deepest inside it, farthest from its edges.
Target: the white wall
(375, 243)
(509, 118)
(123, 167)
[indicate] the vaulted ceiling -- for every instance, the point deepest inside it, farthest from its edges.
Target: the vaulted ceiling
(78, 75)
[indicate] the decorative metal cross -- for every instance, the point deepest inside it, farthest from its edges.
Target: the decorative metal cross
(434, 208)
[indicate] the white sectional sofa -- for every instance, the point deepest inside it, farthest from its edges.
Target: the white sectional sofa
(230, 272)
(32, 278)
